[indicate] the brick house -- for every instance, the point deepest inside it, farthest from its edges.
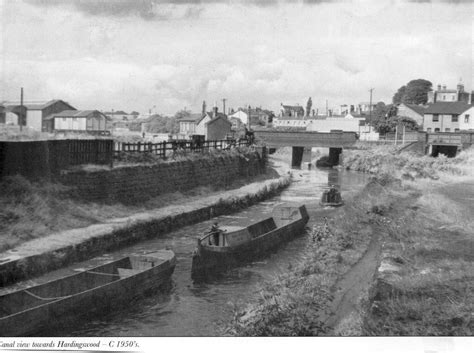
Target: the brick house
(444, 116)
(294, 111)
(187, 125)
(214, 125)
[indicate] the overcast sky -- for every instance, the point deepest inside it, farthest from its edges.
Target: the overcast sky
(137, 54)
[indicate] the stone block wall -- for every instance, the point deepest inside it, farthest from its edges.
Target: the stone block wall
(135, 184)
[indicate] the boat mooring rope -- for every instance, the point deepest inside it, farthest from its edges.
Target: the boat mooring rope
(41, 298)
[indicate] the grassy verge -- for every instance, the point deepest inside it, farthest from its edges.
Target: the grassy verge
(425, 281)
(294, 303)
(31, 210)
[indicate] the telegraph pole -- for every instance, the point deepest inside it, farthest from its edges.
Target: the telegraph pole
(370, 109)
(223, 104)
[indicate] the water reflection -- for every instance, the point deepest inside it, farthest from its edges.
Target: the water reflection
(201, 309)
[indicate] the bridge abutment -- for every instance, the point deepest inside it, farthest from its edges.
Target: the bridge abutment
(334, 154)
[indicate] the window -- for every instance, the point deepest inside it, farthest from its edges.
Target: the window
(466, 118)
(74, 119)
(64, 119)
(447, 129)
(428, 129)
(454, 119)
(456, 130)
(435, 117)
(436, 129)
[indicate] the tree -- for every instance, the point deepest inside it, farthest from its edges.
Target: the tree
(309, 104)
(415, 92)
(397, 97)
(162, 124)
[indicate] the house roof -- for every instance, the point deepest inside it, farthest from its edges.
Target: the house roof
(211, 114)
(292, 107)
(219, 116)
(35, 105)
(416, 108)
(192, 117)
(75, 114)
(447, 108)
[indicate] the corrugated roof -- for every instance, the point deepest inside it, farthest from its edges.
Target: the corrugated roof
(447, 108)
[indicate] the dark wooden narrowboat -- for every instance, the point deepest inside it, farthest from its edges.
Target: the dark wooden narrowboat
(331, 198)
(233, 245)
(103, 288)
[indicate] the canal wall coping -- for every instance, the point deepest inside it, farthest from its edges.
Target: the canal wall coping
(45, 254)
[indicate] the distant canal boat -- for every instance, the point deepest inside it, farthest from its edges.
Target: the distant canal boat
(217, 252)
(331, 198)
(102, 288)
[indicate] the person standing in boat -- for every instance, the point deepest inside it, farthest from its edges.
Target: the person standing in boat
(215, 232)
(332, 194)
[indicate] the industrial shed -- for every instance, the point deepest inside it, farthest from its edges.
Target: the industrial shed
(77, 120)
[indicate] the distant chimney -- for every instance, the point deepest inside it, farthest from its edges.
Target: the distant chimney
(214, 111)
(460, 87)
(444, 87)
(439, 87)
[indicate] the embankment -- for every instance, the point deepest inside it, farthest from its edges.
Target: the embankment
(423, 283)
(132, 184)
(396, 260)
(48, 253)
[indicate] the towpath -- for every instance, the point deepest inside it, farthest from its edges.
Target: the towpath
(43, 254)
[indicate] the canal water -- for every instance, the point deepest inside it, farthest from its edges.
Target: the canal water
(204, 309)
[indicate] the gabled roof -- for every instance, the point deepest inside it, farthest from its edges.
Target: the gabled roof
(75, 114)
(447, 108)
(219, 117)
(292, 107)
(416, 108)
(211, 115)
(35, 105)
(192, 117)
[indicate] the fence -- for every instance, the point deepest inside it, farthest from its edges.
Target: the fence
(35, 159)
(161, 148)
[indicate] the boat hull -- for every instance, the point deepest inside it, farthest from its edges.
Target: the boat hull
(104, 298)
(209, 261)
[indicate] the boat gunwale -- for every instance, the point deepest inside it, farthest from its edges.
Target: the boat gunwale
(102, 286)
(227, 248)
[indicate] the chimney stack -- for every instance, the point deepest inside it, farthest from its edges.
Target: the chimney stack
(444, 87)
(439, 87)
(214, 111)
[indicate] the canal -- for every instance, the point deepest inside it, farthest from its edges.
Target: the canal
(203, 309)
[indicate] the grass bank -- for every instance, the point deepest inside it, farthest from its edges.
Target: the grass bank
(420, 211)
(425, 279)
(31, 210)
(296, 303)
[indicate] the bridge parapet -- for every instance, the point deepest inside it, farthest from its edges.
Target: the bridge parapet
(275, 138)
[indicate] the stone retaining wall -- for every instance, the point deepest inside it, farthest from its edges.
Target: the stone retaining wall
(139, 183)
(127, 232)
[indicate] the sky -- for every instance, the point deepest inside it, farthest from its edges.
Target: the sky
(167, 55)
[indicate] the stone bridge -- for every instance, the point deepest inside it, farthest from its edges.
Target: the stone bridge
(302, 141)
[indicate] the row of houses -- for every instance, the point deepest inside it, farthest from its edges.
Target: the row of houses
(447, 110)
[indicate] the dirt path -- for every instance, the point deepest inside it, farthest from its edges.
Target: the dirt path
(344, 316)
